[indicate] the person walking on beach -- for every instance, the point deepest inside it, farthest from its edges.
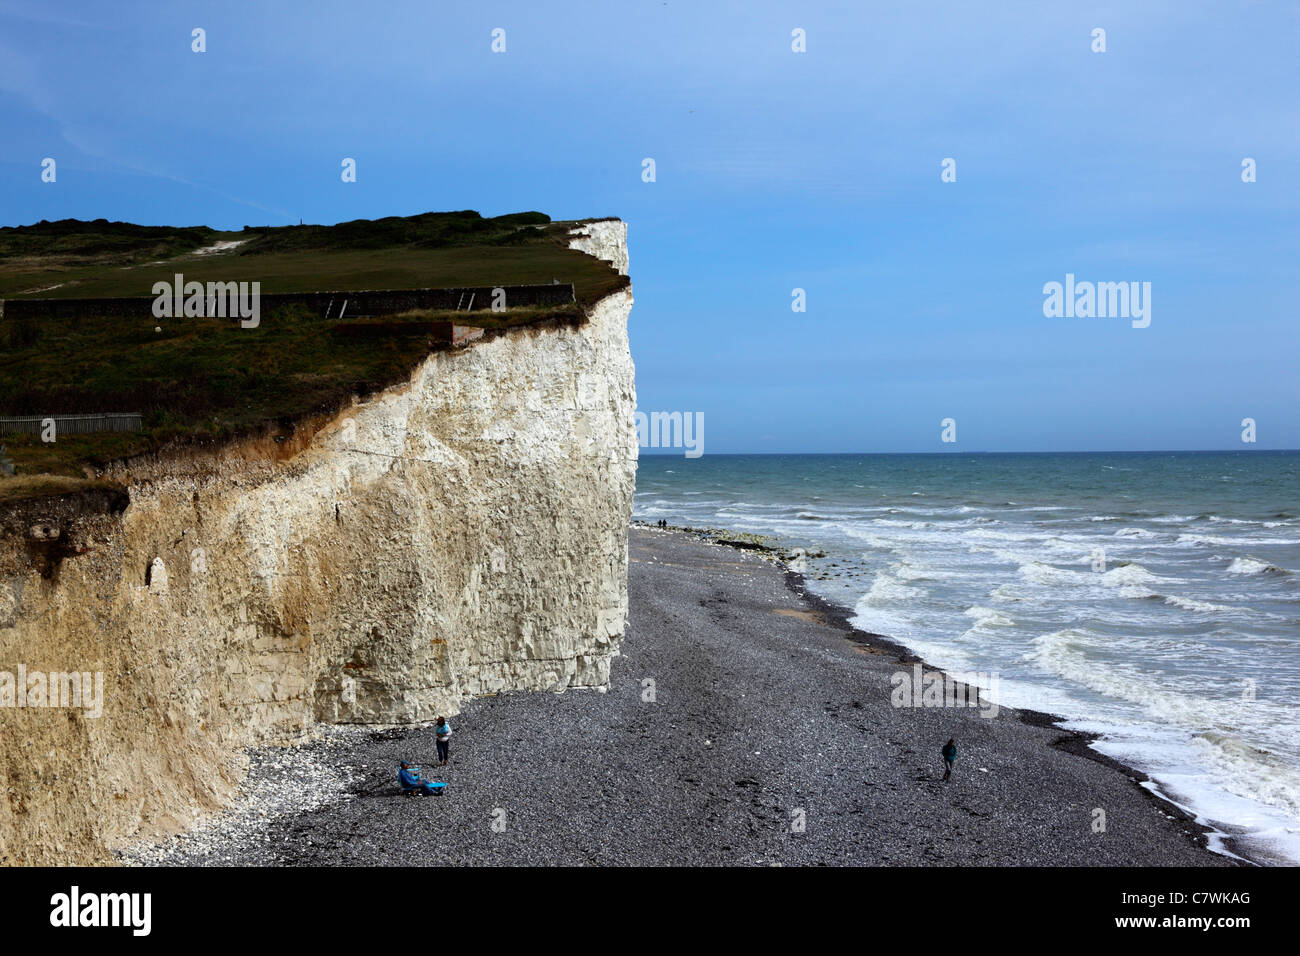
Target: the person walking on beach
(443, 731)
(949, 757)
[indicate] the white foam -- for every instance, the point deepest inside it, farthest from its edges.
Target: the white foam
(1205, 540)
(1074, 654)
(878, 621)
(987, 617)
(1008, 594)
(1190, 604)
(886, 588)
(1253, 566)
(870, 540)
(1210, 540)
(1038, 573)
(1129, 576)
(907, 570)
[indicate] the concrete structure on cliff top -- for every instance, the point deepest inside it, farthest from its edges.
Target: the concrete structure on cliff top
(460, 533)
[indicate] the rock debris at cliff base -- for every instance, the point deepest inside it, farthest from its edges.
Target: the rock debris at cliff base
(757, 714)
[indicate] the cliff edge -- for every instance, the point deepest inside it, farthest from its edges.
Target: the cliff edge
(461, 533)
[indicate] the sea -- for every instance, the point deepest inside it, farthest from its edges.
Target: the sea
(1150, 598)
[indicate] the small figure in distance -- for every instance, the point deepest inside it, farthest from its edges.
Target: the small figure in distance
(442, 730)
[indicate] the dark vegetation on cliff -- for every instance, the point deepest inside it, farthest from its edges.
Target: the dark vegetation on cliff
(75, 259)
(201, 380)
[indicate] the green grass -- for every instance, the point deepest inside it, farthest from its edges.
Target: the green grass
(434, 250)
(208, 380)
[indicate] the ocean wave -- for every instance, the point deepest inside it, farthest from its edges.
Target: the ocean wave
(1134, 582)
(1129, 574)
(1254, 566)
(1252, 772)
(1134, 533)
(1066, 654)
(1036, 572)
(1203, 540)
(1190, 604)
(1218, 540)
(1137, 592)
(871, 540)
(907, 570)
(892, 523)
(987, 617)
(1129, 580)
(1008, 594)
(876, 620)
(988, 534)
(886, 588)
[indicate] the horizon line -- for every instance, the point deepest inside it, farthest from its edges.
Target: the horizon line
(1094, 451)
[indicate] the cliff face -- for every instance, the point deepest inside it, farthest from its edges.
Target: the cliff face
(463, 533)
(605, 239)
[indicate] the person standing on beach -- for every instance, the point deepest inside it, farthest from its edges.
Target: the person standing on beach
(949, 757)
(443, 731)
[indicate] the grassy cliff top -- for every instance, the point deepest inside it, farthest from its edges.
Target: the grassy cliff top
(208, 380)
(75, 259)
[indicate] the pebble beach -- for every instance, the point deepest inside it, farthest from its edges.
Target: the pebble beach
(746, 723)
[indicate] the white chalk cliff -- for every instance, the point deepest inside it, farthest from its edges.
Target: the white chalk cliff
(462, 533)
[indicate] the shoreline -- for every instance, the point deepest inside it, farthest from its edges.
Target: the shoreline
(765, 704)
(1075, 742)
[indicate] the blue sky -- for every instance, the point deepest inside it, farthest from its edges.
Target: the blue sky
(775, 170)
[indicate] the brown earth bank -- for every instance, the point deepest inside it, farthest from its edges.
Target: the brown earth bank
(745, 723)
